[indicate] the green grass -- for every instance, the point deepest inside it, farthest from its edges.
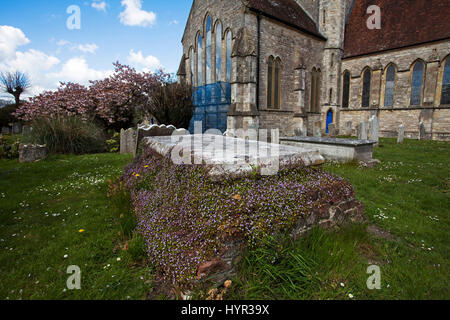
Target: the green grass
(406, 195)
(43, 206)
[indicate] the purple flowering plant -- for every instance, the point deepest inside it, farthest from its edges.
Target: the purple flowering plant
(186, 218)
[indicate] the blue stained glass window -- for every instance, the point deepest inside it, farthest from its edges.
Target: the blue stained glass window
(208, 50)
(219, 52)
(192, 65)
(390, 83)
(229, 56)
(445, 98)
(417, 84)
(199, 61)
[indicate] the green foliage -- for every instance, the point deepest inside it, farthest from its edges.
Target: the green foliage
(6, 117)
(68, 135)
(114, 143)
(9, 148)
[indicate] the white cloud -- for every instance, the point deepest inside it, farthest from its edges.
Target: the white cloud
(133, 15)
(87, 48)
(10, 39)
(173, 22)
(99, 5)
(77, 70)
(148, 63)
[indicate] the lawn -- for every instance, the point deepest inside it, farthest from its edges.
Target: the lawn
(407, 199)
(44, 205)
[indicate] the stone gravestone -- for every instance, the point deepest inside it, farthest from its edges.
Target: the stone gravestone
(5, 130)
(348, 128)
(32, 153)
(317, 129)
(421, 131)
(332, 130)
(26, 130)
(362, 134)
(155, 131)
(17, 128)
(374, 129)
(127, 141)
(401, 134)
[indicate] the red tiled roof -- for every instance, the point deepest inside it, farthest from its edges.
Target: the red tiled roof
(403, 23)
(288, 12)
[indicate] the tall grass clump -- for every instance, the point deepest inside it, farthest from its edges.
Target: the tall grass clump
(68, 135)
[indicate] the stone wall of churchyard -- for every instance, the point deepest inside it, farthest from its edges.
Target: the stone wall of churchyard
(435, 117)
(299, 54)
(229, 13)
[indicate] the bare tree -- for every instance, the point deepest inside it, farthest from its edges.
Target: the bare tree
(15, 83)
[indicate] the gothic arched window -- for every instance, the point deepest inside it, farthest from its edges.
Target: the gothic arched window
(273, 83)
(219, 52)
(445, 98)
(199, 61)
(208, 50)
(346, 90)
(315, 90)
(229, 47)
(417, 84)
(367, 77)
(390, 84)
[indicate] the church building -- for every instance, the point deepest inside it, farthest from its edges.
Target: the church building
(301, 65)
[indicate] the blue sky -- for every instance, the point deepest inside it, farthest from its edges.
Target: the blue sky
(34, 38)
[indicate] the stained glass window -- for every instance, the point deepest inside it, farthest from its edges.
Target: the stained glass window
(346, 90)
(208, 50)
(390, 83)
(199, 61)
(219, 52)
(229, 56)
(445, 99)
(367, 77)
(417, 84)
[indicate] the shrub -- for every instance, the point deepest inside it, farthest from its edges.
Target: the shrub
(6, 116)
(68, 135)
(114, 143)
(185, 218)
(9, 149)
(171, 104)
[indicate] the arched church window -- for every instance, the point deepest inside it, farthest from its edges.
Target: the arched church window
(273, 83)
(445, 98)
(346, 90)
(315, 90)
(199, 61)
(367, 77)
(208, 50)
(229, 47)
(390, 84)
(417, 84)
(219, 52)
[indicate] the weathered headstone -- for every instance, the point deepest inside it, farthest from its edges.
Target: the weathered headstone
(401, 134)
(127, 141)
(422, 132)
(332, 130)
(362, 134)
(32, 153)
(26, 130)
(155, 131)
(317, 129)
(5, 130)
(374, 129)
(17, 128)
(348, 128)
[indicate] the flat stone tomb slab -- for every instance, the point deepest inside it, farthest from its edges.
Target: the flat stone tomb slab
(231, 156)
(343, 150)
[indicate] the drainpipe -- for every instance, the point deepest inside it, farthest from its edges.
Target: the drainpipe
(258, 60)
